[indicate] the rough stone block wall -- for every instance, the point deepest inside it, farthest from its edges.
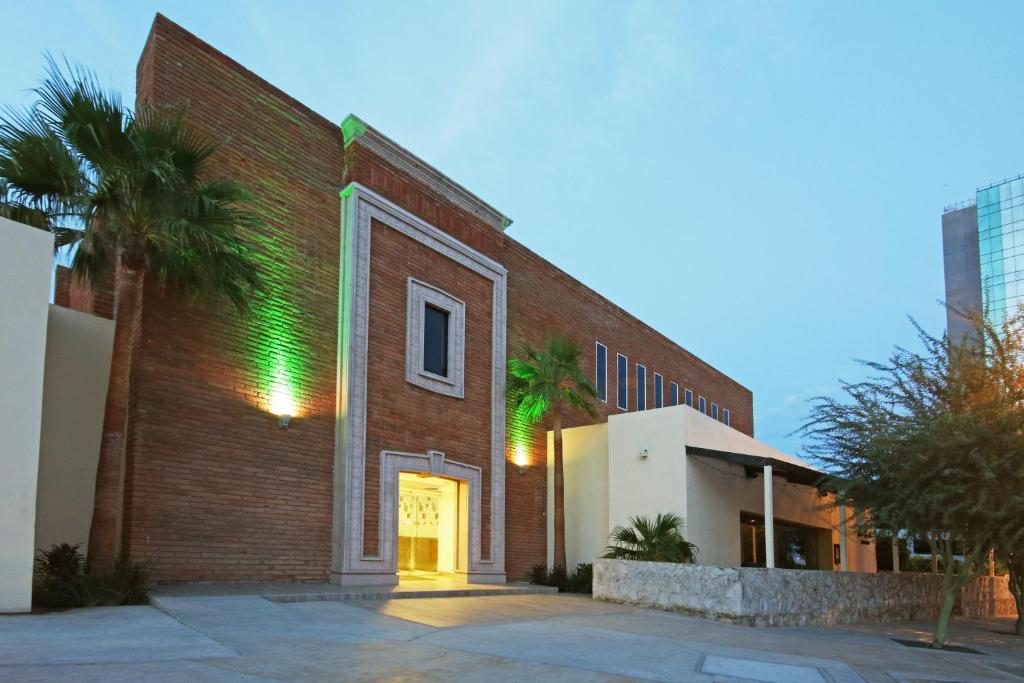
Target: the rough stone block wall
(791, 597)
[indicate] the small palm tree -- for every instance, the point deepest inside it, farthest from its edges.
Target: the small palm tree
(652, 540)
(545, 383)
(130, 194)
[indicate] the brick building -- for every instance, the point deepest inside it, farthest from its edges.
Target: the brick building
(394, 298)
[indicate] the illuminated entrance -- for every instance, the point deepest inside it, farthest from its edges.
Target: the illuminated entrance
(429, 529)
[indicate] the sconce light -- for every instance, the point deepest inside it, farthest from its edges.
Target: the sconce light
(644, 454)
(282, 405)
(520, 460)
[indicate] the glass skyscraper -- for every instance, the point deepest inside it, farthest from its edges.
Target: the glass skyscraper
(983, 250)
(1001, 247)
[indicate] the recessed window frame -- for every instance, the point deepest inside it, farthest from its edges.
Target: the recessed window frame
(420, 295)
(659, 391)
(673, 393)
(641, 387)
(601, 382)
(622, 381)
(714, 411)
(688, 397)
(725, 416)
(702, 405)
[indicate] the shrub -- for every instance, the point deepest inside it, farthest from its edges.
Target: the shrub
(579, 581)
(651, 540)
(62, 580)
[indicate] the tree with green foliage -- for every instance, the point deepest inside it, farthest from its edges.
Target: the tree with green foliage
(1015, 565)
(545, 383)
(651, 540)
(932, 443)
(131, 195)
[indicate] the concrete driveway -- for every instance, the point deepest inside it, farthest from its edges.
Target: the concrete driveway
(523, 637)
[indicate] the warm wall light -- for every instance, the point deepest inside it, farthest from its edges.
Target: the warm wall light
(521, 459)
(282, 405)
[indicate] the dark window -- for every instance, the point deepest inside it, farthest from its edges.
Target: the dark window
(796, 546)
(435, 341)
(725, 415)
(714, 410)
(601, 378)
(659, 401)
(702, 406)
(673, 393)
(689, 398)
(641, 387)
(622, 381)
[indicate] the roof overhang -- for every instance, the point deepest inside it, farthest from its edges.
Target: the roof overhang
(797, 474)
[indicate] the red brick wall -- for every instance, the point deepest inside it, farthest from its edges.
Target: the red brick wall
(543, 299)
(409, 418)
(215, 491)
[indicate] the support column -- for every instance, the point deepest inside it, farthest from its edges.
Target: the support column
(769, 519)
(844, 564)
(895, 552)
(992, 562)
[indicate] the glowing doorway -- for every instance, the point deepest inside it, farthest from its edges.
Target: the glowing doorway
(428, 526)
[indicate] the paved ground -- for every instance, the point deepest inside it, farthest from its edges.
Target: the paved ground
(510, 637)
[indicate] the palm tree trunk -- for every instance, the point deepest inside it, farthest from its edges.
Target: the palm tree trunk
(559, 493)
(105, 531)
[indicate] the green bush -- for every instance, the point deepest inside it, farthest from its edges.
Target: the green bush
(579, 581)
(62, 580)
(651, 540)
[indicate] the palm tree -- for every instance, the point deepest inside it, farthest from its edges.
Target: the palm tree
(545, 383)
(652, 540)
(128, 194)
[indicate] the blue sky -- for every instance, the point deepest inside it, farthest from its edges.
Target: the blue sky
(762, 182)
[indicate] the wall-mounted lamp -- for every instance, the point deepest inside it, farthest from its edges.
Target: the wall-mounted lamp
(520, 460)
(644, 454)
(281, 404)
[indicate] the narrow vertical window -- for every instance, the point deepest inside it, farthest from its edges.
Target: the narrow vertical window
(702, 405)
(435, 340)
(641, 387)
(725, 416)
(622, 381)
(601, 372)
(673, 394)
(714, 410)
(689, 398)
(659, 400)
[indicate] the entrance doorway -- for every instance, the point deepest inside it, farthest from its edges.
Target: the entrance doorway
(428, 526)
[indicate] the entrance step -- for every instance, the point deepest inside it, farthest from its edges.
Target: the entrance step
(397, 593)
(312, 592)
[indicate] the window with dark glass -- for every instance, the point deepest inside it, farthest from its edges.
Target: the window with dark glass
(659, 400)
(725, 415)
(689, 398)
(601, 373)
(714, 410)
(622, 381)
(796, 546)
(435, 341)
(673, 393)
(641, 387)
(702, 405)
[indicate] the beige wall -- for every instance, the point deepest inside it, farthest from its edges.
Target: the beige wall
(25, 258)
(78, 349)
(608, 481)
(585, 459)
(646, 485)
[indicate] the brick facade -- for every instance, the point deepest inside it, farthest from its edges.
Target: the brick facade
(214, 490)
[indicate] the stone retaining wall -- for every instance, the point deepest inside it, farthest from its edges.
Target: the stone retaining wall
(790, 597)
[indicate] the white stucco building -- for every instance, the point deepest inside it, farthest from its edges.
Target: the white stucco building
(679, 460)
